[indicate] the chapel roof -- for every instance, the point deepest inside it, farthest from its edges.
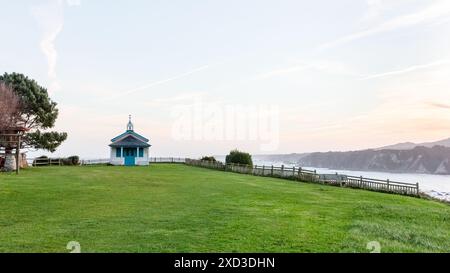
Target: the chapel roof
(130, 142)
(129, 136)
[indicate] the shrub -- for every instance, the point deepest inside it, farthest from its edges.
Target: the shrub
(238, 157)
(71, 161)
(208, 158)
(40, 161)
(66, 162)
(74, 159)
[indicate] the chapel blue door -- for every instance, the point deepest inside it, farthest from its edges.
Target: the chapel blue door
(130, 156)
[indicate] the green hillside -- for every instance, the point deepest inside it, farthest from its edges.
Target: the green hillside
(177, 208)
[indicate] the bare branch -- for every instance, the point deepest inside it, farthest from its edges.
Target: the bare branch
(10, 107)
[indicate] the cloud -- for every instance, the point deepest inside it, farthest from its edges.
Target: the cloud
(72, 3)
(50, 18)
(437, 10)
(374, 9)
(393, 120)
(377, 9)
(48, 47)
(439, 105)
(407, 70)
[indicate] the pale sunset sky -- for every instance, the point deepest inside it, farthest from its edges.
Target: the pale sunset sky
(344, 75)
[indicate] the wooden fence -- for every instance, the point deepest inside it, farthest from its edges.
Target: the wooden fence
(47, 162)
(150, 160)
(300, 174)
(94, 161)
(86, 162)
(167, 160)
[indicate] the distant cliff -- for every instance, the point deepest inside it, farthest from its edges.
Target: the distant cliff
(411, 145)
(434, 160)
(277, 158)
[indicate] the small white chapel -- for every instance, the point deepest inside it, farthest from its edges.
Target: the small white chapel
(129, 148)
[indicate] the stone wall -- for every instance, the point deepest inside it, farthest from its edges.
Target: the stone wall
(9, 163)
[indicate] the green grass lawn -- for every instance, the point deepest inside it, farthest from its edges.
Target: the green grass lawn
(176, 208)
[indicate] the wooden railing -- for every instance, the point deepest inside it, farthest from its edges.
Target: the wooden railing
(150, 160)
(381, 185)
(300, 174)
(100, 161)
(59, 161)
(47, 162)
(166, 160)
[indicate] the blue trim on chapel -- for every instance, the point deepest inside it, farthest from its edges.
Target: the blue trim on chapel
(133, 133)
(130, 142)
(129, 139)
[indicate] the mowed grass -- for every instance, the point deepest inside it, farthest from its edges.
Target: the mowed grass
(177, 208)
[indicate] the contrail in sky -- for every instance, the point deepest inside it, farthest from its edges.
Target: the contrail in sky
(407, 70)
(153, 84)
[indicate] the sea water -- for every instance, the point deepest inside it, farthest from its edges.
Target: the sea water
(437, 186)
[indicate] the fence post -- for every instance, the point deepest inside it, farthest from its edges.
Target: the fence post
(18, 157)
(271, 173)
(264, 167)
(360, 181)
(387, 184)
(293, 171)
(417, 186)
(338, 179)
(282, 170)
